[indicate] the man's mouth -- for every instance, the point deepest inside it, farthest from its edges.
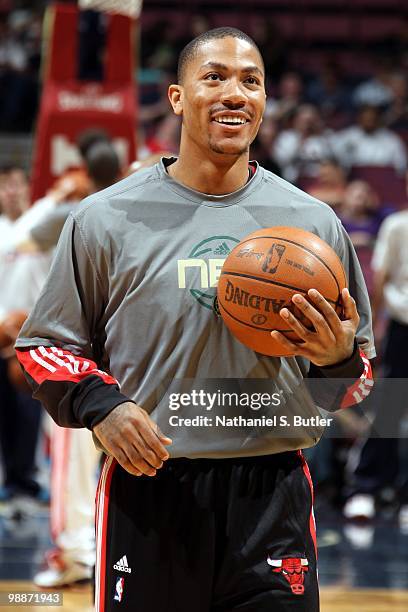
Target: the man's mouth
(230, 120)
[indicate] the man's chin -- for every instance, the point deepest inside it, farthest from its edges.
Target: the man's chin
(229, 148)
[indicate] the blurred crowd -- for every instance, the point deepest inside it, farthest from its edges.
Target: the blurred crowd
(341, 138)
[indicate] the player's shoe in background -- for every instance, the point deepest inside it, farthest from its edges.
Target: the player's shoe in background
(19, 505)
(6, 502)
(28, 506)
(360, 506)
(60, 573)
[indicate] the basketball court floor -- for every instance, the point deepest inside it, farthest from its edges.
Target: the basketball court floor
(362, 568)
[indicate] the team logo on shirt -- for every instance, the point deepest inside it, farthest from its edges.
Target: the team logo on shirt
(199, 273)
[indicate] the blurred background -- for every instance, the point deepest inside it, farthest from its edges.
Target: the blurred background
(83, 102)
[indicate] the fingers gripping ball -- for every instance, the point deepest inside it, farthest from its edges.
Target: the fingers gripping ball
(263, 272)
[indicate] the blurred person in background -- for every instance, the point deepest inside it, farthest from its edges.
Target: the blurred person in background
(380, 466)
(262, 148)
(328, 91)
(273, 45)
(369, 143)
(376, 91)
(362, 213)
(300, 150)
(165, 136)
(27, 235)
(396, 115)
(330, 183)
(102, 169)
(20, 48)
(289, 97)
(69, 189)
(21, 278)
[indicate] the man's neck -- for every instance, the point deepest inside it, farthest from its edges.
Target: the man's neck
(211, 176)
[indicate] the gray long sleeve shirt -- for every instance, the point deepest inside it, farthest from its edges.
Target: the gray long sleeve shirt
(129, 300)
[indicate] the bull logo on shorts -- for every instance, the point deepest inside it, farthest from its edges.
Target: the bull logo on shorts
(294, 570)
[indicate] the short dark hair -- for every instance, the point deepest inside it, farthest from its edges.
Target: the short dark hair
(192, 47)
(9, 167)
(103, 164)
(89, 137)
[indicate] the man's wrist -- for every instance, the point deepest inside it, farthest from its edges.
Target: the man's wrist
(93, 399)
(352, 367)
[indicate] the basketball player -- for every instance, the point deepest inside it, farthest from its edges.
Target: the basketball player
(209, 519)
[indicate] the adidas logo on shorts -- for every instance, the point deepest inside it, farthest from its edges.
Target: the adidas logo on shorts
(122, 565)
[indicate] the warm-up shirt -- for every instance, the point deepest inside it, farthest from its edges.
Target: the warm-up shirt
(129, 302)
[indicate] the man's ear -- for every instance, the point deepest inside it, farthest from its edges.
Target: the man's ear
(175, 94)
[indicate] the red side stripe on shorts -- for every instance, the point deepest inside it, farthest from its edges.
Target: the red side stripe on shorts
(312, 523)
(102, 503)
(52, 363)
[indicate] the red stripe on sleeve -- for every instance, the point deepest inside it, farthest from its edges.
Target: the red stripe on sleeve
(359, 390)
(52, 363)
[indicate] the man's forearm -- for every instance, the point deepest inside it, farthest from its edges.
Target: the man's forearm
(71, 388)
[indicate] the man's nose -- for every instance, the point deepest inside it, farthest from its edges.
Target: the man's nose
(233, 94)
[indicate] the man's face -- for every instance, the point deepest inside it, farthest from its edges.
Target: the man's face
(222, 97)
(369, 119)
(14, 193)
(307, 121)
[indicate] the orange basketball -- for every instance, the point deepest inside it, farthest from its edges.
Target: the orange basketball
(263, 272)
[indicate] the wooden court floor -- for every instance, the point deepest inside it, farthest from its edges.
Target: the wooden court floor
(332, 600)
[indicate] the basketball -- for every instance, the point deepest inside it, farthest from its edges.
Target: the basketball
(263, 272)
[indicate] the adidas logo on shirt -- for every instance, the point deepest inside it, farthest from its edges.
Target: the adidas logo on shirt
(122, 565)
(222, 249)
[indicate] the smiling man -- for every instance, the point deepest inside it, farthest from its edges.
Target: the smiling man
(210, 519)
(221, 98)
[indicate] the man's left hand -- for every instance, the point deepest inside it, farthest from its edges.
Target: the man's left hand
(332, 339)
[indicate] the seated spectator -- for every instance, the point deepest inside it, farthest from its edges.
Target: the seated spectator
(368, 143)
(396, 116)
(329, 92)
(20, 46)
(300, 150)
(376, 91)
(330, 184)
(263, 145)
(289, 96)
(361, 214)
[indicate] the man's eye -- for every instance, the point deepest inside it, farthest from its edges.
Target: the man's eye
(252, 80)
(214, 76)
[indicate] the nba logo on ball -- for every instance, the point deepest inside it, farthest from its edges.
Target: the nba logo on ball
(261, 274)
(120, 583)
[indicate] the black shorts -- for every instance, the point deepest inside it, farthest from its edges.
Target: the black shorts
(207, 535)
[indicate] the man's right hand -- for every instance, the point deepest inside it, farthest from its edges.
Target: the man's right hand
(136, 442)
